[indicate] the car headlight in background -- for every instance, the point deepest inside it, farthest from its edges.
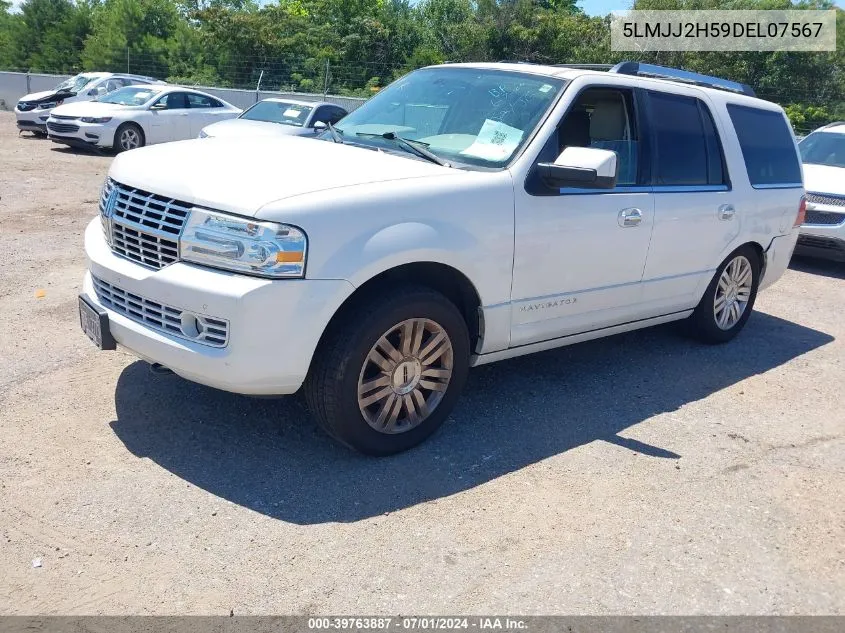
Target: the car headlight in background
(242, 245)
(96, 119)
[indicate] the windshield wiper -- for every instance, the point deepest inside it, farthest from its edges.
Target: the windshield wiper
(417, 147)
(336, 134)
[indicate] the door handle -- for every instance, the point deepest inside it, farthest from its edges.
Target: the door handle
(630, 217)
(726, 211)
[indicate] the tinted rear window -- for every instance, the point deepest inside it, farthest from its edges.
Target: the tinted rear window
(687, 147)
(767, 146)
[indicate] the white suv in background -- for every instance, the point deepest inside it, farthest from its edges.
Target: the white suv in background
(466, 214)
(33, 110)
(823, 155)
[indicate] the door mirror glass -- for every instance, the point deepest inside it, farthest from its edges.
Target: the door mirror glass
(584, 167)
(320, 126)
(160, 105)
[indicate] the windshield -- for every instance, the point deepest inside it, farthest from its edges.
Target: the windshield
(278, 112)
(75, 84)
(132, 96)
(823, 148)
(465, 115)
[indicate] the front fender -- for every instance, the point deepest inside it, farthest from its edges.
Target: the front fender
(405, 243)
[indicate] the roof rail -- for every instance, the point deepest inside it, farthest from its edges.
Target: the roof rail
(683, 76)
(585, 66)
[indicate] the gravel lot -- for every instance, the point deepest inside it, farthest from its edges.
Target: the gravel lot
(640, 474)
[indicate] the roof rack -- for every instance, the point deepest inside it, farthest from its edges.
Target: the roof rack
(683, 76)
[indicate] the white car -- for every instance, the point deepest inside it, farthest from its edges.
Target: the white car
(33, 110)
(465, 214)
(280, 117)
(823, 155)
(136, 116)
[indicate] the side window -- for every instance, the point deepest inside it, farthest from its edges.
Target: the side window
(687, 149)
(767, 146)
(604, 118)
(201, 101)
(323, 114)
(336, 114)
(113, 84)
(174, 101)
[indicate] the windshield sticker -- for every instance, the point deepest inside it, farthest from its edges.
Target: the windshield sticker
(290, 113)
(546, 87)
(496, 141)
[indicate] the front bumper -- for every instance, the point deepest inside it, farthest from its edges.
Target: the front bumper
(825, 241)
(87, 135)
(32, 120)
(274, 326)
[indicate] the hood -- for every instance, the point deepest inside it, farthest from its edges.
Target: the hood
(241, 175)
(44, 97)
(824, 179)
(246, 128)
(87, 108)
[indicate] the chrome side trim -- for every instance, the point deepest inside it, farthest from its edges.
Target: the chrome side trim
(483, 359)
(780, 185)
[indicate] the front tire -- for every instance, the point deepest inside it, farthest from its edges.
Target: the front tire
(388, 374)
(729, 298)
(128, 136)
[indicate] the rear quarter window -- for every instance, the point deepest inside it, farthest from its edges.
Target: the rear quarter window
(767, 147)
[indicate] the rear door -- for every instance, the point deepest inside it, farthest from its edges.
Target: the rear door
(696, 212)
(204, 110)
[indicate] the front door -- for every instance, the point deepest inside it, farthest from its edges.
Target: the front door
(580, 254)
(169, 120)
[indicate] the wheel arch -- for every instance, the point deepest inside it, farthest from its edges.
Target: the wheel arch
(440, 277)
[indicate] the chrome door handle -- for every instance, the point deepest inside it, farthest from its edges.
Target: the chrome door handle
(630, 217)
(726, 211)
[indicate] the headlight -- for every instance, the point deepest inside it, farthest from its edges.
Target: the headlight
(203, 134)
(96, 119)
(241, 245)
(48, 105)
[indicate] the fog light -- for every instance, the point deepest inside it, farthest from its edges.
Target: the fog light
(191, 326)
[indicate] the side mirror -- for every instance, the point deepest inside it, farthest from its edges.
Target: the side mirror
(319, 126)
(158, 106)
(585, 167)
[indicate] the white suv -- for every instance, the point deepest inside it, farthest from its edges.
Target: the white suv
(33, 110)
(466, 214)
(823, 155)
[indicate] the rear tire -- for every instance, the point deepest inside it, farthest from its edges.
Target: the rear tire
(128, 136)
(729, 299)
(388, 373)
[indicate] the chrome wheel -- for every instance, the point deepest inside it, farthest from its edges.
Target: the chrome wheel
(405, 375)
(130, 139)
(733, 292)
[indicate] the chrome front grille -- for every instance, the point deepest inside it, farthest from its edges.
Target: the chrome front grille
(64, 117)
(821, 198)
(826, 218)
(143, 226)
(62, 128)
(168, 319)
